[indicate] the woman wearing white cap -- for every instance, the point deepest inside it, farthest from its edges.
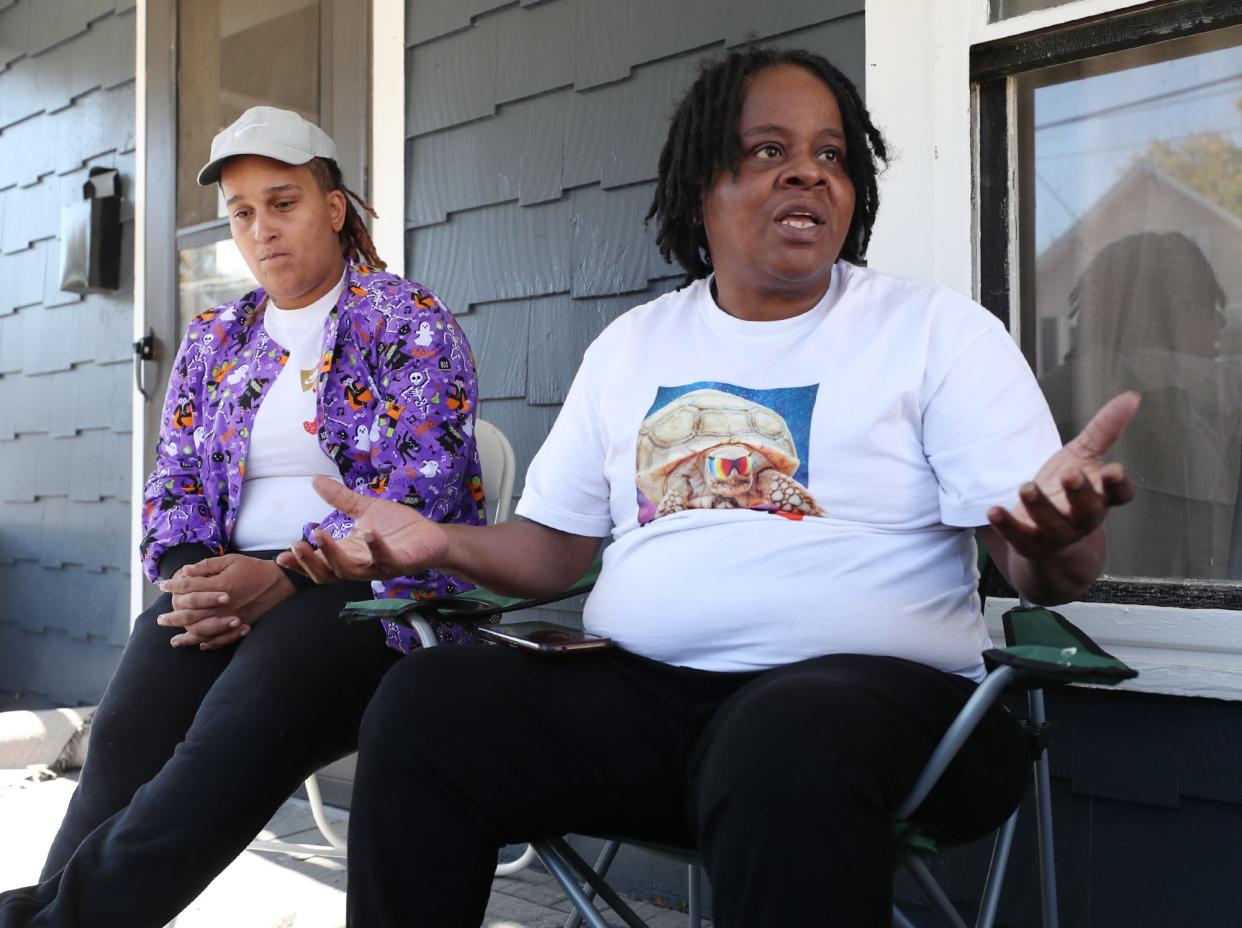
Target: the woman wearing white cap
(222, 703)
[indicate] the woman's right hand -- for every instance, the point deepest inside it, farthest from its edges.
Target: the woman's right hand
(216, 601)
(388, 540)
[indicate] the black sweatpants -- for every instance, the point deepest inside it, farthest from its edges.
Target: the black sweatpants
(786, 780)
(191, 753)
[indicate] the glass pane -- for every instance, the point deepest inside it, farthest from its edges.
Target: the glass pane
(1006, 9)
(207, 276)
(232, 55)
(1130, 180)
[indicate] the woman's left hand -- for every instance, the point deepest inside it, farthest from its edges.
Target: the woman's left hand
(217, 600)
(1072, 493)
(1051, 545)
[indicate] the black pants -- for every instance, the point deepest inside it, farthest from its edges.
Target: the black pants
(191, 753)
(786, 780)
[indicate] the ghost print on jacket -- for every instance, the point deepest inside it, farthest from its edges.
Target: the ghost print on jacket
(395, 411)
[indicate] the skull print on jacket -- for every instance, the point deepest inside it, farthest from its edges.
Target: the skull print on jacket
(395, 412)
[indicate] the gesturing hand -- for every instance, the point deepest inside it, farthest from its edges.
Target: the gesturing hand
(217, 600)
(1072, 493)
(388, 540)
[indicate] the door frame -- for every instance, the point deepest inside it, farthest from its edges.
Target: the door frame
(369, 32)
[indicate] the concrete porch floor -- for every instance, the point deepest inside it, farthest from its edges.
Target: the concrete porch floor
(260, 890)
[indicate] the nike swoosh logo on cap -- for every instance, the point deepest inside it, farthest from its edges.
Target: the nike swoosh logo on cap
(245, 129)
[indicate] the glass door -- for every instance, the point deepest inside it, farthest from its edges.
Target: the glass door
(232, 55)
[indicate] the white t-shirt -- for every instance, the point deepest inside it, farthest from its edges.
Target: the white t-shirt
(891, 416)
(277, 499)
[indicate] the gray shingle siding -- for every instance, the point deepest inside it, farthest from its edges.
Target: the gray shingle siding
(66, 104)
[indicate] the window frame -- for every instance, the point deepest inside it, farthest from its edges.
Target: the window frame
(1004, 231)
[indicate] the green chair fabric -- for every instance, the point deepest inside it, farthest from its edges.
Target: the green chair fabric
(477, 605)
(1046, 649)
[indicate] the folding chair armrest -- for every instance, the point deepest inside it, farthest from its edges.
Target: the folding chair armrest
(1045, 649)
(478, 605)
(1039, 666)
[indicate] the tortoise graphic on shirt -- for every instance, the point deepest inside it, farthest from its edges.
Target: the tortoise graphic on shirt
(712, 449)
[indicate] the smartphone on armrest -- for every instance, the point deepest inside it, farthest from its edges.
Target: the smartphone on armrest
(543, 637)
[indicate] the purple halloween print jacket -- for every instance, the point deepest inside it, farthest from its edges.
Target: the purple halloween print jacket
(395, 412)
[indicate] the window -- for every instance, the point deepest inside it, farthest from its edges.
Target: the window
(1118, 248)
(1005, 9)
(232, 55)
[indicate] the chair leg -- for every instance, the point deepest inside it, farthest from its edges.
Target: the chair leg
(514, 866)
(1043, 811)
(565, 862)
(602, 865)
(931, 890)
(900, 920)
(694, 889)
(568, 881)
(320, 815)
(996, 873)
(334, 849)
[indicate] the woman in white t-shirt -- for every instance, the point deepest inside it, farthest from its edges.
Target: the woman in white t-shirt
(792, 455)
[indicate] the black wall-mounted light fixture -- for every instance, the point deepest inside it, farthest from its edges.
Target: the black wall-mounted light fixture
(90, 236)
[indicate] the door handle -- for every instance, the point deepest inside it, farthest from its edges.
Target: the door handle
(144, 350)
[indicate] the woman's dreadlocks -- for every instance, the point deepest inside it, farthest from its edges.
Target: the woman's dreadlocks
(703, 140)
(356, 241)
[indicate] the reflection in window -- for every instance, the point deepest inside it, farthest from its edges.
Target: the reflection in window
(208, 276)
(1133, 163)
(236, 54)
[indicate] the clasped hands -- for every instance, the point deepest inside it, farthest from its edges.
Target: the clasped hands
(216, 601)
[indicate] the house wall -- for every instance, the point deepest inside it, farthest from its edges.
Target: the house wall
(1147, 807)
(66, 104)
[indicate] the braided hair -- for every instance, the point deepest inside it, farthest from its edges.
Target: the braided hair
(703, 140)
(355, 240)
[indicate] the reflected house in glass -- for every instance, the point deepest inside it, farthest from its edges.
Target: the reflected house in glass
(1144, 199)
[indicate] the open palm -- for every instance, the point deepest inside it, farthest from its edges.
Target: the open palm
(1074, 489)
(388, 540)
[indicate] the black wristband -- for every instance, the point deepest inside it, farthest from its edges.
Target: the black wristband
(299, 580)
(177, 557)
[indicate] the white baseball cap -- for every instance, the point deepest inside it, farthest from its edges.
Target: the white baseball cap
(271, 132)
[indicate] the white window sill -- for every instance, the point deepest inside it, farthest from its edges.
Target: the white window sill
(1177, 652)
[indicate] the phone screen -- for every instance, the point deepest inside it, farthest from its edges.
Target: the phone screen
(544, 637)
